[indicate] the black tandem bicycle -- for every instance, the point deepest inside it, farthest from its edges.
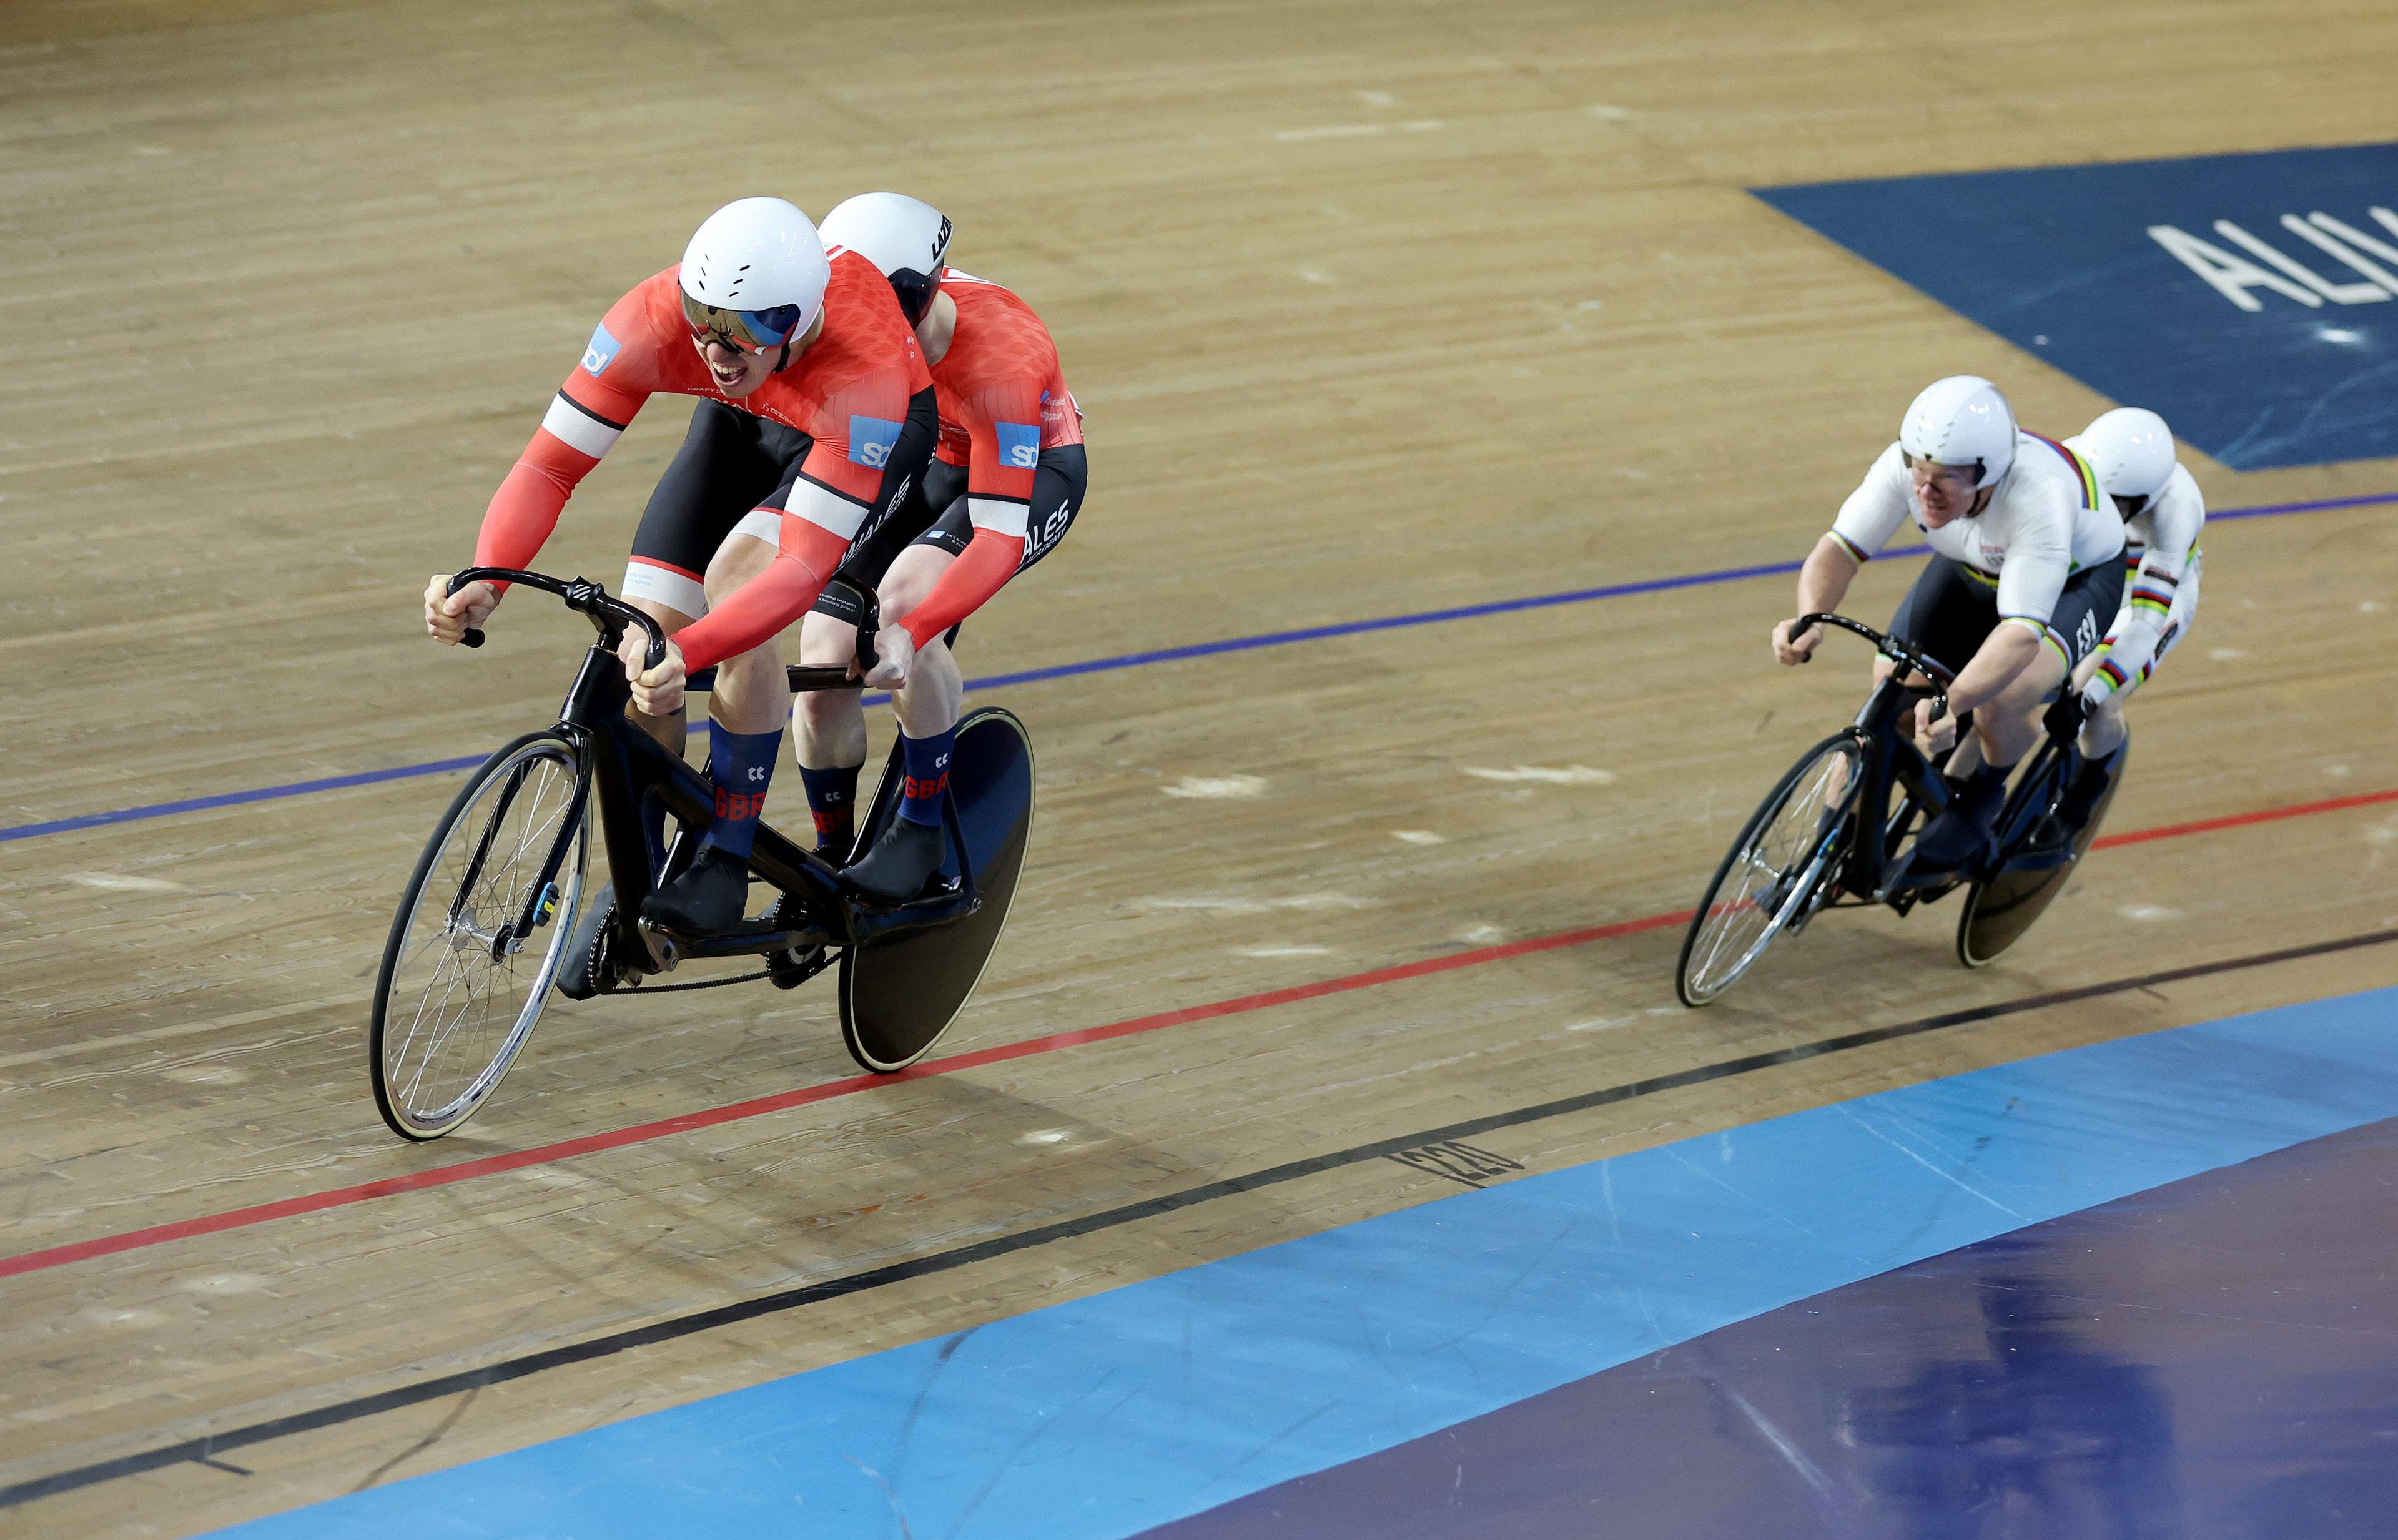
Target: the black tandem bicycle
(484, 922)
(1835, 833)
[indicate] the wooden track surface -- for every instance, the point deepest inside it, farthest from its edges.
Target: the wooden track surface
(1374, 308)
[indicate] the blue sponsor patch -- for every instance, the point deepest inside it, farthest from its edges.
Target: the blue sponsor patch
(871, 439)
(1019, 444)
(600, 351)
(2248, 298)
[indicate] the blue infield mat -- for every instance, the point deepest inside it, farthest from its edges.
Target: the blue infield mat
(1103, 1416)
(2252, 299)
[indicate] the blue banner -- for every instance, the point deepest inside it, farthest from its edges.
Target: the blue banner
(2252, 299)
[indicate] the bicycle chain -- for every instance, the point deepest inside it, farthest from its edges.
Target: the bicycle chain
(678, 989)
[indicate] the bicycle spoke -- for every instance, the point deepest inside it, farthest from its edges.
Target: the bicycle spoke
(458, 1000)
(1771, 877)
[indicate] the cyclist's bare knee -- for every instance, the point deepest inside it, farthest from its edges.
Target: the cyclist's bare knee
(741, 558)
(910, 580)
(828, 726)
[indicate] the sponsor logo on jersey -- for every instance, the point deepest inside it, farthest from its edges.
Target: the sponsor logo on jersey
(600, 351)
(1019, 444)
(871, 439)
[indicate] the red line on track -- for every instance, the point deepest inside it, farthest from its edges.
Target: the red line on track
(2241, 820)
(642, 1133)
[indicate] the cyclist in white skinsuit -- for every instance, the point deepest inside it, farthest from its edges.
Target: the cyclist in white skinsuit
(2132, 450)
(2022, 576)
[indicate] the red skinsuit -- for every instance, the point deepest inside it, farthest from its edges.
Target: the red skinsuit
(864, 365)
(1004, 399)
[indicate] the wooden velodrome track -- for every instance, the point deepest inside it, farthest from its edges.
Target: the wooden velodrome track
(1374, 308)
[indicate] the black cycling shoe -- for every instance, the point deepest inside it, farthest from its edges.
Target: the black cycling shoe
(709, 899)
(902, 862)
(577, 978)
(2091, 786)
(1960, 835)
(2057, 832)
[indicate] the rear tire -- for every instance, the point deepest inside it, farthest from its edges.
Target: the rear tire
(455, 1002)
(900, 994)
(1777, 873)
(2001, 908)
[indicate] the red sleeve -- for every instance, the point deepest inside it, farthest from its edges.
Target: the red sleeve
(526, 507)
(766, 603)
(1002, 424)
(619, 370)
(855, 428)
(989, 562)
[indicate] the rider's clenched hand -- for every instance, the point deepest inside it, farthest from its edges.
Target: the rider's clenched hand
(448, 615)
(656, 692)
(895, 655)
(1936, 736)
(1794, 650)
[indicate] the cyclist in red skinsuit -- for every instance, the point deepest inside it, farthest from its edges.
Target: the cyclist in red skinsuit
(835, 419)
(1007, 480)
(999, 376)
(848, 391)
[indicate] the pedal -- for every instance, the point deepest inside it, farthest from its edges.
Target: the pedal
(665, 953)
(947, 902)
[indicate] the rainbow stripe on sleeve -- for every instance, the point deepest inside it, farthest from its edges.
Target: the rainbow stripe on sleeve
(2088, 477)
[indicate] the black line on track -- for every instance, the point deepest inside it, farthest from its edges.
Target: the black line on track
(205, 1451)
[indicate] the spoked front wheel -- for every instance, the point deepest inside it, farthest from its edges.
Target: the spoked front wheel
(482, 930)
(1777, 872)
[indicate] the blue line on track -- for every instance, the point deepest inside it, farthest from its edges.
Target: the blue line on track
(1111, 665)
(230, 798)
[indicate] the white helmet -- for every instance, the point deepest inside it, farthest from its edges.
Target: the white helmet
(2132, 450)
(754, 275)
(906, 238)
(1961, 420)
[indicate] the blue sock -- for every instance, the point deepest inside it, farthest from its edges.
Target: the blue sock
(741, 764)
(927, 763)
(832, 800)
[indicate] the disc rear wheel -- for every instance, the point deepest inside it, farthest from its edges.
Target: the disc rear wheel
(899, 994)
(2001, 908)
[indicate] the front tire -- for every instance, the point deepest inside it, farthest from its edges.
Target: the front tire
(1777, 873)
(455, 1001)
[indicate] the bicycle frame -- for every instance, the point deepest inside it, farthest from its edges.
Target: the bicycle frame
(623, 765)
(1889, 759)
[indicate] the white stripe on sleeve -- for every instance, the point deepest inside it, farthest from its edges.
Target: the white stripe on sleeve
(999, 515)
(825, 508)
(578, 429)
(664, 586)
